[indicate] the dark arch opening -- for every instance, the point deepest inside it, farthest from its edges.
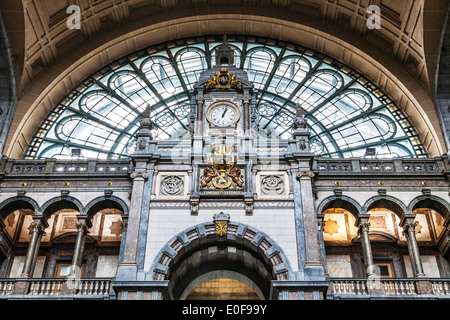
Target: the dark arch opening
(341, 204)
(60, 205)
(389, 205)
(15, 205)
(216, 253)
(435, 205)
(104, 204)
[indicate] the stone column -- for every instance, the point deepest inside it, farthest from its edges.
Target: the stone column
(313, 263)
(198, 126)
(143, 223)
(363, 231)
(36, 252)
(124, 236)
(410, 234)
(320, 225)
(37, 230)
(246, 113)
(128, 268)
(83, 225)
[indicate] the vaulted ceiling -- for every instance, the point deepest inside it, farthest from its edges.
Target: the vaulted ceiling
(50, 59)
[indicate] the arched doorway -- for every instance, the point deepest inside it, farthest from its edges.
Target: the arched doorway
(198, 258)
(222, 285)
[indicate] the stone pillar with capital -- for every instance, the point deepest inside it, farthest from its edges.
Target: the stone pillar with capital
(409, 232)
(128, 267)
(246, 113)
(82, 225)
(313, 267)
(37, 231)
(199, 119)
(363, 225)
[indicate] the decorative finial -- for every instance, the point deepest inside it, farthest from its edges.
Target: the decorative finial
(146, 123)
(147, 112)
(225, 39)
(298, 110)
(300, 121)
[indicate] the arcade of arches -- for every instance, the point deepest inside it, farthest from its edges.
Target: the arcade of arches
(201, 150)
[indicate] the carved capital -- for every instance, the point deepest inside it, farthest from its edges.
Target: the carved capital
(199, 100)
(305, 175)
(409, 226)
(84, 223)
(139, 175)
(81, 226)
(124, 224)
(36, 227)
(364, 226)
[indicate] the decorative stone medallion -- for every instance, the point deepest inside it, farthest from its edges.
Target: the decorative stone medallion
(172, 186)
(272, 185)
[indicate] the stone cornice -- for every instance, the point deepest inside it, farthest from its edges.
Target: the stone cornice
(241, 205)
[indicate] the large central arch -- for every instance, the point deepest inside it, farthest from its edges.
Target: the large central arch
(199, 254)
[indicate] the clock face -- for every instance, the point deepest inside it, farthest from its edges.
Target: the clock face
(223, 115)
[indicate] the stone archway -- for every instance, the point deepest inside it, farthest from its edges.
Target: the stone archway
(244, 254)
(220, 275)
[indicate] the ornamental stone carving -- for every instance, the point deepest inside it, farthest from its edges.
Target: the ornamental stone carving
(139, 175)
(172, 186)
(272, 185)
(305, 174)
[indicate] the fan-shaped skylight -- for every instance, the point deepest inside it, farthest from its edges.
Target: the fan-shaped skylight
(346, 113)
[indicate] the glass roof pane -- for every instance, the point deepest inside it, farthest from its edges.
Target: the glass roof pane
(345, 112)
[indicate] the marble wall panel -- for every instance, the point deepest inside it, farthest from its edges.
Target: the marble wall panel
(429, 263)
(18, 263)
(106, 266)
(339, 266)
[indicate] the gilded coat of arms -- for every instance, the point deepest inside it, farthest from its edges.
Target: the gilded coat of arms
(223, 80)
(222, 174)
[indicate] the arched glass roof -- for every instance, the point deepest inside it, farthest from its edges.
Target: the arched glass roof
(346, 113)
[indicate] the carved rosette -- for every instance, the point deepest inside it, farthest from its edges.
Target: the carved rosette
(172, 186)
(272, 185)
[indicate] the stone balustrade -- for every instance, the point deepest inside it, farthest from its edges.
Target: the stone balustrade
(65, 167)
(95, 288)
(335, 166)
(388, 287)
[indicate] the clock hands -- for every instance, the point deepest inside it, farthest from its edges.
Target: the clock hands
(225, 111)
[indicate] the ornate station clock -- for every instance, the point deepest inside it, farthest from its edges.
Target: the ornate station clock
(223, 116)
(223, 101)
